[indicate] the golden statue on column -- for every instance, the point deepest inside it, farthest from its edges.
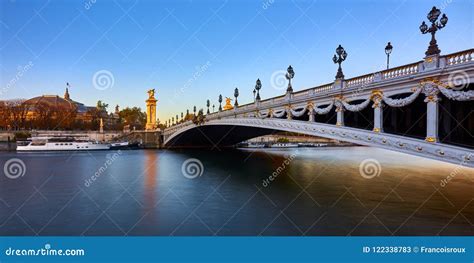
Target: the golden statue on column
(151, 123)
(227, 105)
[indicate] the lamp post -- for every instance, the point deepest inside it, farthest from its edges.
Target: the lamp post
(341, 56)
(182, 116)
(177, 119)
(388, 50)
(220, 102)
(236, 94)
(254, 91)
(258, 86)
(208, 103)
(289, 75)
(435, 26)
(194, 110)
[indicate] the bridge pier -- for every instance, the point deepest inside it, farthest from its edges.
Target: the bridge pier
(432, 112)
(340, 115)
(311, 114)
(378, 111)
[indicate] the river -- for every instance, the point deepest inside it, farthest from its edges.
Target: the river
(299, 191)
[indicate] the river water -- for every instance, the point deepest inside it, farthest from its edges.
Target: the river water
(300, 191)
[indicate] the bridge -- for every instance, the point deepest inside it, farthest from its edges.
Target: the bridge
(423, 108)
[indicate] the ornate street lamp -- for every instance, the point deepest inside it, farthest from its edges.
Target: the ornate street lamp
(341, 56)
(236, 94)
(289, 75)
(435, 26)
(208, 103)
(220, 102)
(388, 50)
(258, 86)
(213, 108)
(194, 110)
(182, 116)
(254, 91)
(187, 112)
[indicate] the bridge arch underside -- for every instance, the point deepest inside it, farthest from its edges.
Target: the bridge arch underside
(228, 132)
(217, 136)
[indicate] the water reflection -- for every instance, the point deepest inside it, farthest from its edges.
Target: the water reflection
(151, 176)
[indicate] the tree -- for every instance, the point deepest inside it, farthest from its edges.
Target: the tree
(17, 112)
(44, 115)
(133, 117)
(66, 118)
(94, 114)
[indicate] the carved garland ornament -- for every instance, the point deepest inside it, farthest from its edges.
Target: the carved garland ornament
(356, 107)
(325, 110)
(402, 102)
(298, 113)
(279, 113)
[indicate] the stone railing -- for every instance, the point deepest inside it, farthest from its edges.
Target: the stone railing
(365, 79)
(323, 88)
(405, 70)
(460, 57)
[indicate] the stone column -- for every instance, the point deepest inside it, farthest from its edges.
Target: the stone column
(311, 115)
(151, 111)
(431, 92)
(378, 110)
(340, 113)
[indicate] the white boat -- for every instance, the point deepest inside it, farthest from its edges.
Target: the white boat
(118, 144)
(284, 145)
(255, 145)
(124, 146)
(59, 144)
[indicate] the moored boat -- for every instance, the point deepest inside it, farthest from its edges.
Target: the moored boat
(284, 145)
(60, 144)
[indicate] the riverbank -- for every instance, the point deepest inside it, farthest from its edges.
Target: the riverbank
(106, 136)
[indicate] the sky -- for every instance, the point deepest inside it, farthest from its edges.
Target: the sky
(190, 51)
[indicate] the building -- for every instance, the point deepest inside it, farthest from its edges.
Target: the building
(54, 112)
